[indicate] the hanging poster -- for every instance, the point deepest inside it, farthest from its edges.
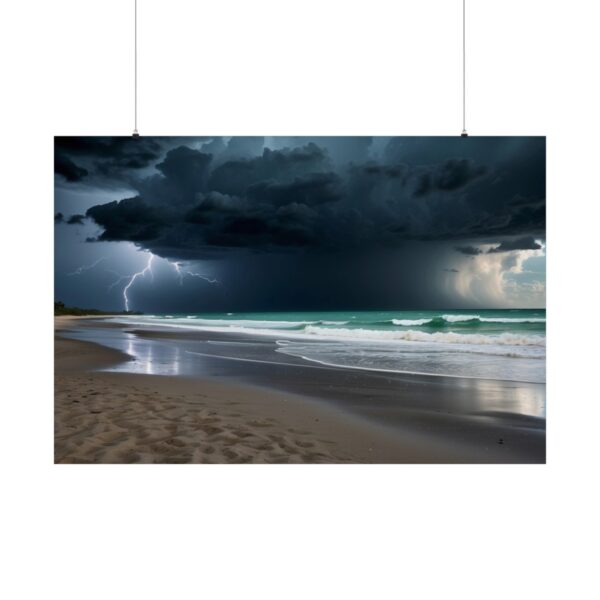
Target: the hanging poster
(300, 299)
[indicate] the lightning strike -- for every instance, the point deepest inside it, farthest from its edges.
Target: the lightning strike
(132, 278)
(181, 273)
(192, 274)
(84, 268)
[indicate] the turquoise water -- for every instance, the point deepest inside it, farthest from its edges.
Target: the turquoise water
(500, 344)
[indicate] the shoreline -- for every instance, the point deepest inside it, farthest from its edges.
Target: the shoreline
(317, 363)
(406, 427)
(503, 356)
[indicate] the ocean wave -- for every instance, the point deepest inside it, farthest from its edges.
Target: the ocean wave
(445, 320)
(411, 322)
(504, 339)
(315, 329)
(508, 320)
(469, 318)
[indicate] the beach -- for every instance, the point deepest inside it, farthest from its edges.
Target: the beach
(126, 394)
(105, 417)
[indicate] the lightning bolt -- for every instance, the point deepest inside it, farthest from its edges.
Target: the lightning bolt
(84, 268)
(178, 270)
(132, 279)
(181, 273)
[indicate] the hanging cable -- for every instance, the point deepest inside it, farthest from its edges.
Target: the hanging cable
(135, 76)
(464, 75)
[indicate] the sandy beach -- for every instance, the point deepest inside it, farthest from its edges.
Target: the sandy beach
(231, 415)
(103, 417)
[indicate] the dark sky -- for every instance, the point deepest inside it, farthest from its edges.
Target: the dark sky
(300, 223)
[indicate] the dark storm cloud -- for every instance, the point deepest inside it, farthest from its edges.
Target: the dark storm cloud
(266, 218)
(469, 250)
(245, 146)
(128, 220)
(508, 245)
(451, 175)
(64, 166)
(234, 177)
(342, 151)
(105, 158)
(76, 220)
(392, 172)
(200, 200)
(186, 169)
(310, 190)
(452, 270)
(59, 217)
(110, 153)
(524, 243)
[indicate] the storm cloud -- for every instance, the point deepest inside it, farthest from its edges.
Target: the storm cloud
(507, 245)
(65, 167)
(302, 197)
(75, 220)
(524, 243)
(469, 250)
(319, 203)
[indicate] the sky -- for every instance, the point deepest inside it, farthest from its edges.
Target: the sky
(220, 224)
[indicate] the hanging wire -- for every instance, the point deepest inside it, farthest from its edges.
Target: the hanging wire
(464, 74)
(135, 76)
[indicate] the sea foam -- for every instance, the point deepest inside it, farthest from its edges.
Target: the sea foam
(508, 339)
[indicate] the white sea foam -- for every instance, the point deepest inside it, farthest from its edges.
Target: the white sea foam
(509, 339)
(411, 322)
(465, 319)
(315, 330)
(459, 318)
(508, 320)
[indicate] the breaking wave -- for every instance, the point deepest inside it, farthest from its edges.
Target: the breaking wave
(504, 339)
(316, 330)
(445, 320)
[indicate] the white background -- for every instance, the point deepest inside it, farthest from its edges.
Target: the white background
(304, 67)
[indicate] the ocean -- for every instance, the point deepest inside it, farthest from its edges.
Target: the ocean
(504, 344)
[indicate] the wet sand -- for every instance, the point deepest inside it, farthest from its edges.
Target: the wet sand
(236, 406)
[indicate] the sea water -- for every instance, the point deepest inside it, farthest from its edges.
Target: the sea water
(505, 344)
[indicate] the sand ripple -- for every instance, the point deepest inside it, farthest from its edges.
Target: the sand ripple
(98, 420)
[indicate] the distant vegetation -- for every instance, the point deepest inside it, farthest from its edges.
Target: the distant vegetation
(61, 309)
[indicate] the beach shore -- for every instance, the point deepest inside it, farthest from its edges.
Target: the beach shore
(123, 417)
